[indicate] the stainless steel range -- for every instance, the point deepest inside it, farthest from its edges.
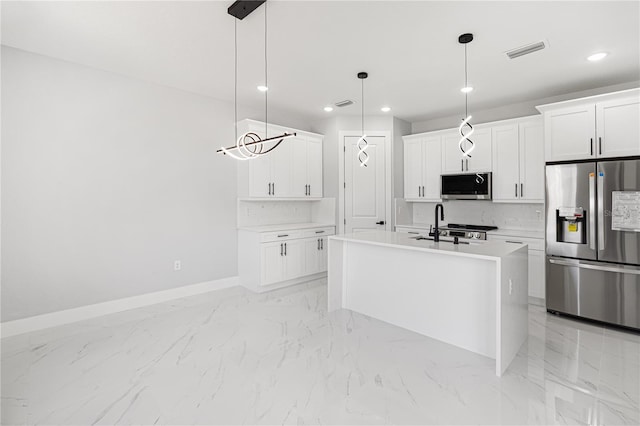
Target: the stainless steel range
(466, 232)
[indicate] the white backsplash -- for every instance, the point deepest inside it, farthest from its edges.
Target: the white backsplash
(505, 216)
(277, 212)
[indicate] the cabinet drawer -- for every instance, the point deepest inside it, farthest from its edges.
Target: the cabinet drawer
(534, 243)
(267, 237)
(414, 231)
(319, 232)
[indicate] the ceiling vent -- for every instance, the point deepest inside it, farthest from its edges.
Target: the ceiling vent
(344, 103)
(525, 50)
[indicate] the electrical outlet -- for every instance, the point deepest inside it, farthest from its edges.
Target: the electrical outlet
(177, 265)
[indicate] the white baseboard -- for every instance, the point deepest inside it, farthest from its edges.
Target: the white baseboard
(54, 319)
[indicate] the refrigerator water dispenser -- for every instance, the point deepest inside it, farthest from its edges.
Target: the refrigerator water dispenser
(571, 225)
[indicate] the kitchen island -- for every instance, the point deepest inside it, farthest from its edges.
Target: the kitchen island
(473, 296)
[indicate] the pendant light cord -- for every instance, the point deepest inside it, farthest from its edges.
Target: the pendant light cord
(466, 84)
(362, 107)
(266, 93)
(235, 81)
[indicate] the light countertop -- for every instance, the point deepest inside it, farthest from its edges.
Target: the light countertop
(285, 226)
(491, 250)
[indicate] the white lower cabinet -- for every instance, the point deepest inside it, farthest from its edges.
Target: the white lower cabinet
(536, 264)
(286, 257)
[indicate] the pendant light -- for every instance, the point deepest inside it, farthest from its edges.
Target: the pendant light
(362, 143)
(465, 144)
(250, 145)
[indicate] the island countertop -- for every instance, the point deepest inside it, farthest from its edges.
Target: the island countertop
(491, 250)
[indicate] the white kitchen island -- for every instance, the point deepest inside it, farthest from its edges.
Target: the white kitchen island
(469, 295)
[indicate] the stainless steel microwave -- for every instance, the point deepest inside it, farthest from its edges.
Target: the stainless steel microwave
(468, 186)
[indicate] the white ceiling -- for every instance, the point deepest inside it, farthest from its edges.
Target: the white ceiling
(410, 49)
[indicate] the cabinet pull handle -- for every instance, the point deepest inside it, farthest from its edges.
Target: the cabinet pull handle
(422, 190)
(591, 145)
(321, 244)
(319, 232)
(309, 189)
(600, 146)
(462, 165)
(318, 244)
(285, 249)
(280, 249)
(467, 161)
(418, 191)
(413, 232)
(514, 242)
(273, 189)
(269, 186)
(283, 235)
(521, 190)
(516, 190)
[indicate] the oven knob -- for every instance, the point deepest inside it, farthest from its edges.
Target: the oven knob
(476, 235)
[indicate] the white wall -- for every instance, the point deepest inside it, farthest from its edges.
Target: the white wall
(107, 180)
(504, 112)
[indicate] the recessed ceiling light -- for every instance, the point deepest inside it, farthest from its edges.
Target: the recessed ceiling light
(597, 56)
(466, 89)
(385, 109)
(328, 108)
(263, 88)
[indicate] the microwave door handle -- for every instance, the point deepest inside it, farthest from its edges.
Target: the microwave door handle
(600, 211)
(592, 211)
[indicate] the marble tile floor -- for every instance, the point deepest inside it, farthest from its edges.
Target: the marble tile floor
(235, 357)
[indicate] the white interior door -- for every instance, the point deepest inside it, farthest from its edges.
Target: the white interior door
(364, 192)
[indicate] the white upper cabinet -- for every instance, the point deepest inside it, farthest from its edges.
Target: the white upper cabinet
(480, 157)
(292, 170)
(618, 127)
(422, 167)
(518, 161)
(602, 126)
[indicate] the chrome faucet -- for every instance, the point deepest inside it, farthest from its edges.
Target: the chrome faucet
(436, 231)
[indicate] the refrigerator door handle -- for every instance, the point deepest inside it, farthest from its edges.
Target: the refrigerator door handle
(595, 267)
(600, 211)
(592, 211)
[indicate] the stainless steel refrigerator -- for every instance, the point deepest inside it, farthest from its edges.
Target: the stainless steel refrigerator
(593, 240)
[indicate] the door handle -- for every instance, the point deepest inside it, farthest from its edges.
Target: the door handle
(600, 189)
(600, 146)
(595, 267)
(592, 211)
(382, 222)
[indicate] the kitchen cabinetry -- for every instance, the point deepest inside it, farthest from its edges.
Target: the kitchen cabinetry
(480, 160)
(536, 260)
(603, 126)
(292, 170)
(423, 166)
(275, 259)
(518, 161)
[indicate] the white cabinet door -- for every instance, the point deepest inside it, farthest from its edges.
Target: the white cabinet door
(452, 161)
(531, 161)
(294, 261)
(260, 177)
(480, 160)
(272, 263)
(314, 166)
(570, 133)
(299, 147)
(311, 256)
(506, 162)
(281, 170)
(323, 258)
(618, 127)
(432, 168)
(536, 274)
(413, 164)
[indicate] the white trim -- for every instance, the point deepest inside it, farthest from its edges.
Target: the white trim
(387, 174)
(54, 319)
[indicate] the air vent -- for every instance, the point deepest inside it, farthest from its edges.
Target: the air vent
(344, 103)
(525, 50)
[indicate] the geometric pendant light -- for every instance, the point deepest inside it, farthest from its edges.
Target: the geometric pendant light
(250, 145)
(465, 144)
(362, 143)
